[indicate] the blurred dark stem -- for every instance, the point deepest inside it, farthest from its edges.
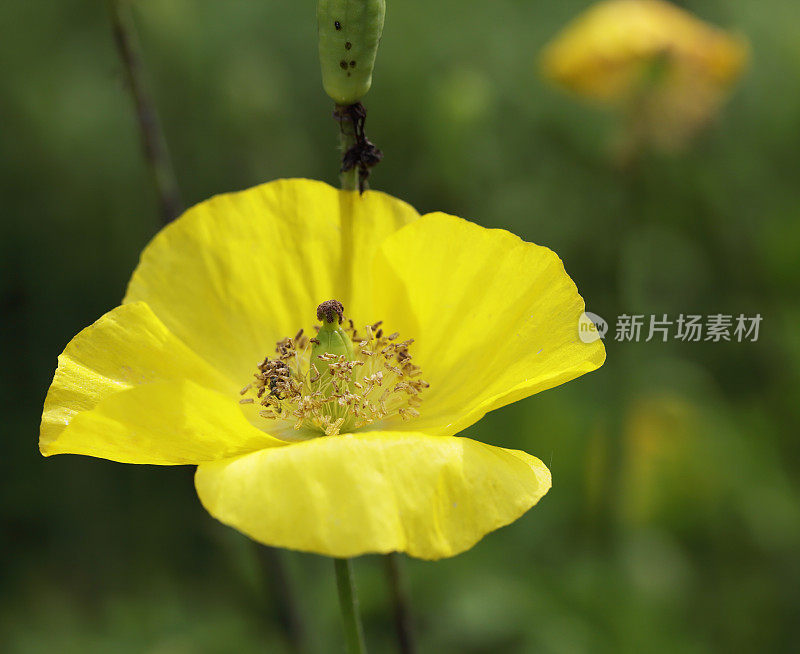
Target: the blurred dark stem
(400, 603)
(348, 603)
(631, 217)
(153, 142)
(278, 585)
(158, 160)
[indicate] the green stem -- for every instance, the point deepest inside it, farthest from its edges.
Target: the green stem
(153, 141)
(400, 603)
(348, 603)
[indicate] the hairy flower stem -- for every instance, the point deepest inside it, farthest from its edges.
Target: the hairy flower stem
(401, 606)
(153, 142)
(348, 603)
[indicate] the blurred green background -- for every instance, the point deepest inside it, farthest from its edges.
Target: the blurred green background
(673, 524)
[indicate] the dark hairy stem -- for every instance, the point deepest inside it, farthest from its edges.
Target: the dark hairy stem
(279, 586)
(153, 142)
(277, 582)
(348, 178)
(359, 154)
(400, 603)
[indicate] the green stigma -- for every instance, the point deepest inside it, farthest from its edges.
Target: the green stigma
(331, 339)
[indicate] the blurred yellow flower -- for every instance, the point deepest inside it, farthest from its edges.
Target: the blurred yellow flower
(672, 69)
(177, 374)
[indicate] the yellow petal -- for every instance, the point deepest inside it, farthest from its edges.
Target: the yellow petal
(118, 393)
(126, 347)
(495, 318)
(429, 496)
(238, 272)
(166, 423)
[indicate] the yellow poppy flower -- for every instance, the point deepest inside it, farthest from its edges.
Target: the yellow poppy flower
(674, 67)
(186, 370)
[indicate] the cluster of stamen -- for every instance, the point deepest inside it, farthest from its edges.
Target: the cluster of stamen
(332, 393)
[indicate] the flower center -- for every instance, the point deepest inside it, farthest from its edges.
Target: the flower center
(339, 381)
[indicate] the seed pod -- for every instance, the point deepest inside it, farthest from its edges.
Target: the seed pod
(349, 33)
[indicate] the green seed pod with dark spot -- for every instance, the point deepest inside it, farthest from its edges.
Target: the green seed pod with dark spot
(349, 33)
